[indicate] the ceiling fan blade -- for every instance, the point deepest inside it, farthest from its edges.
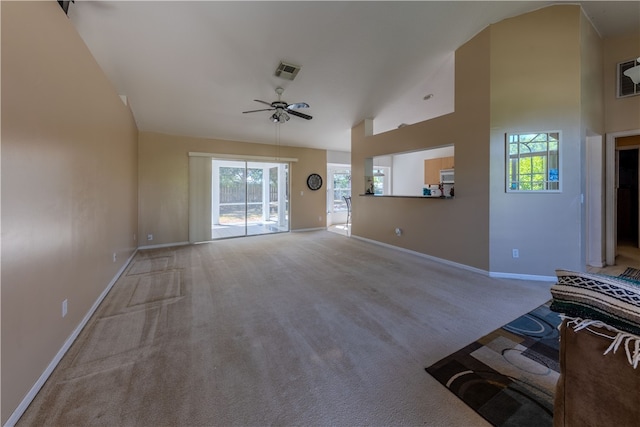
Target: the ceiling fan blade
(299, 114)
(298, 105)
(263, 102)
(255, 111)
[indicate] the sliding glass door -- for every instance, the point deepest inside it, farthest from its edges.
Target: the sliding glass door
(248, 198)
(228, 199)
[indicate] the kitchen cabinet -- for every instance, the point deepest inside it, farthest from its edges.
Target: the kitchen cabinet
(447, 162)
(432, 169)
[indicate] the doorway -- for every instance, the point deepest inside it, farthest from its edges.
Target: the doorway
(622, 147)
(627, 198)
(338, 187)
(248, 198)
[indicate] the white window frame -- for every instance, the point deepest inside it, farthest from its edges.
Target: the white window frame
(332, 171)
(547, 180)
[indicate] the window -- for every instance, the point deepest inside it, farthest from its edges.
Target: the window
(533, 162)
(381, 180)
(341, 189)
(626, 87)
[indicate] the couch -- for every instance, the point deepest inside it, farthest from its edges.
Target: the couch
(599, 383)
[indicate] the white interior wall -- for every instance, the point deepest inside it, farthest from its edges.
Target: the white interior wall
(339, 157)
(412, 106)
(408, 174)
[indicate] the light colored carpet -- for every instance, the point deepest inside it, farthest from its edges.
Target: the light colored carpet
(289, 329)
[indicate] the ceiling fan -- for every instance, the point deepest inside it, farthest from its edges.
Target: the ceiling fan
(281, 109)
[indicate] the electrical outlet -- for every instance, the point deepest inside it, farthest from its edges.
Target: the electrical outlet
(515, 253)
(149, 237)
(115, 257)
(64, 308)
(398, 232)
(135, 237)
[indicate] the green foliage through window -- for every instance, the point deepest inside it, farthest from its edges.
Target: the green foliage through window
(378, 181)
(341, 189)
(533, 162)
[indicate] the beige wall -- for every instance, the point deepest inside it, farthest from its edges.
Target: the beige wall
(511, 77)
(69, 188)
(591, 78)
(164, 182)
(621, 114)
(452, 229)
(536, 86)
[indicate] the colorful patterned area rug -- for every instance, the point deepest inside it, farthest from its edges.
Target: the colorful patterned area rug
(508, 376)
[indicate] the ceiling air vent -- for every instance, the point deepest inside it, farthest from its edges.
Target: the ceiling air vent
(287, 71)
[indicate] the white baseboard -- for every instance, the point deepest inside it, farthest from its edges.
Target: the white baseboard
(464, 266)
(163, 245)
(300, 230)
(422, 255)
(31, 394)
(523, 277)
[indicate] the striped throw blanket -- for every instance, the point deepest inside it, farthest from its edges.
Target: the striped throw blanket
(589, 300)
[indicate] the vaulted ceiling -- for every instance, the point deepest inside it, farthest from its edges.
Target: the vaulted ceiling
(192, 67)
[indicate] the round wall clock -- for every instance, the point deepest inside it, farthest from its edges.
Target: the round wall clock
(314, 182)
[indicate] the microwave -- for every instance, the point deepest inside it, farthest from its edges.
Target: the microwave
(446, 176)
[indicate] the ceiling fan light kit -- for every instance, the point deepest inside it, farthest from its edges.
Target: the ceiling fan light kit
(279, 117)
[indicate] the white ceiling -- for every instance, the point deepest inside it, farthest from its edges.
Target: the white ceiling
(192, 67)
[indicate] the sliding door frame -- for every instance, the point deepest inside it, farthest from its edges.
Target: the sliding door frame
(200, 193)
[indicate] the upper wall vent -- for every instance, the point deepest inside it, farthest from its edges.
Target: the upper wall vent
(287, 71)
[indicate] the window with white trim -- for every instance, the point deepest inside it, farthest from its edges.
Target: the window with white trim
(341, 189)
(533, 162)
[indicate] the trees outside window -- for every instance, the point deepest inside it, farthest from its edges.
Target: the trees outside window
(533, 161)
